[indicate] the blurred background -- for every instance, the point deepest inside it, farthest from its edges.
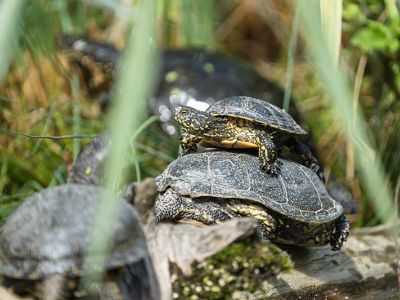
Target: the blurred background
(208, 50)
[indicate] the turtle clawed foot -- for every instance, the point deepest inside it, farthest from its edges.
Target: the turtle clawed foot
(340, 233)
(317, 169)
(187, 151)
(272, 168)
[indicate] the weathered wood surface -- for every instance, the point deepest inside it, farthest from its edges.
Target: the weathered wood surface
(364, 269)
(183, 244)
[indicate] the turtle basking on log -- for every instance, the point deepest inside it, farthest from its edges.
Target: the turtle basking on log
(244, 122)
(212, 187)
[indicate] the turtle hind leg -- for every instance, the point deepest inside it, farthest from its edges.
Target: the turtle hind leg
(267, 223)
(267, 153)
(340, 233)
(309, 159)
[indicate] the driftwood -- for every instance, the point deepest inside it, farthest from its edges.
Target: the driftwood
(363, 269)
(183, 244)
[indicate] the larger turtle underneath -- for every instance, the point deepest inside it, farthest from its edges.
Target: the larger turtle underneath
(43, 245)
(212, 187)
(244, 122)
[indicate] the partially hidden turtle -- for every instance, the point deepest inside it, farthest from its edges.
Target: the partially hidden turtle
(88, 167)
(212, 187)
(194, 77)
(43, 246)
(244, 122)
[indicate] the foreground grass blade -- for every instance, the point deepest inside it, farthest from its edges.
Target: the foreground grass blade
(338, 90)
(290, 58)
(10, 11)
(132, 91)
(331, 20)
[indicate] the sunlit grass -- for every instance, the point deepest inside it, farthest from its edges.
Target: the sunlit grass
(331, 21)
(339, 92)
(198, 23)
(291, 53)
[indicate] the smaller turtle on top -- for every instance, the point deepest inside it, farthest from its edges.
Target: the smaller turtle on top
(244, 122)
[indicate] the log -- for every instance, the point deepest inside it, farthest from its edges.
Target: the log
(365, 268)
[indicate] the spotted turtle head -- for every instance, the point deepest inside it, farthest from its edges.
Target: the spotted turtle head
(190, 119)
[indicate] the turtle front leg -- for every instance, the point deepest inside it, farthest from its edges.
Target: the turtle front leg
(168, 206)
(309, 159)
(188, 143)
(173, 207)
(267, 153)
(340, 233)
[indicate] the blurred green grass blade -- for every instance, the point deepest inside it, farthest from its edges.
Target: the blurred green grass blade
(76, 115)
(331, 20)
(392, 9)
(132, 92)
(132, 141)
(198, 21)
(339, 92)
(290, 57)
(61, 7)
(10, 13)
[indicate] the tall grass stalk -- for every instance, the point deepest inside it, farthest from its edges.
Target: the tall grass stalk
(339, 92)
(132, 91)
(198, 23)
(10, 12)
(290, 58)
(331, 20)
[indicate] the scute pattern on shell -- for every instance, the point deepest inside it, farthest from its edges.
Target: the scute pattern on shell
(49, 232)
(258, 111)
(296, 192)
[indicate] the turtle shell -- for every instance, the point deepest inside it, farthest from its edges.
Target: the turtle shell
(295, 192)
(88, 167)
(258, 111)
(49, 234)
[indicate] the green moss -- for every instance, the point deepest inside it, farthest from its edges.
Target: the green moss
(242, 266)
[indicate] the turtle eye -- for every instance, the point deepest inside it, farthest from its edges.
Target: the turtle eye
(184, 111)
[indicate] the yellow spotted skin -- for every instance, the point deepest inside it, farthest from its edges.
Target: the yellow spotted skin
(235, 133)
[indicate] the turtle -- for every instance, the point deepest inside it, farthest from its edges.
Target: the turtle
(215, 186)
(43, 244)
(95, 62)
(88, 167)
(244, 122)
(192, 77)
